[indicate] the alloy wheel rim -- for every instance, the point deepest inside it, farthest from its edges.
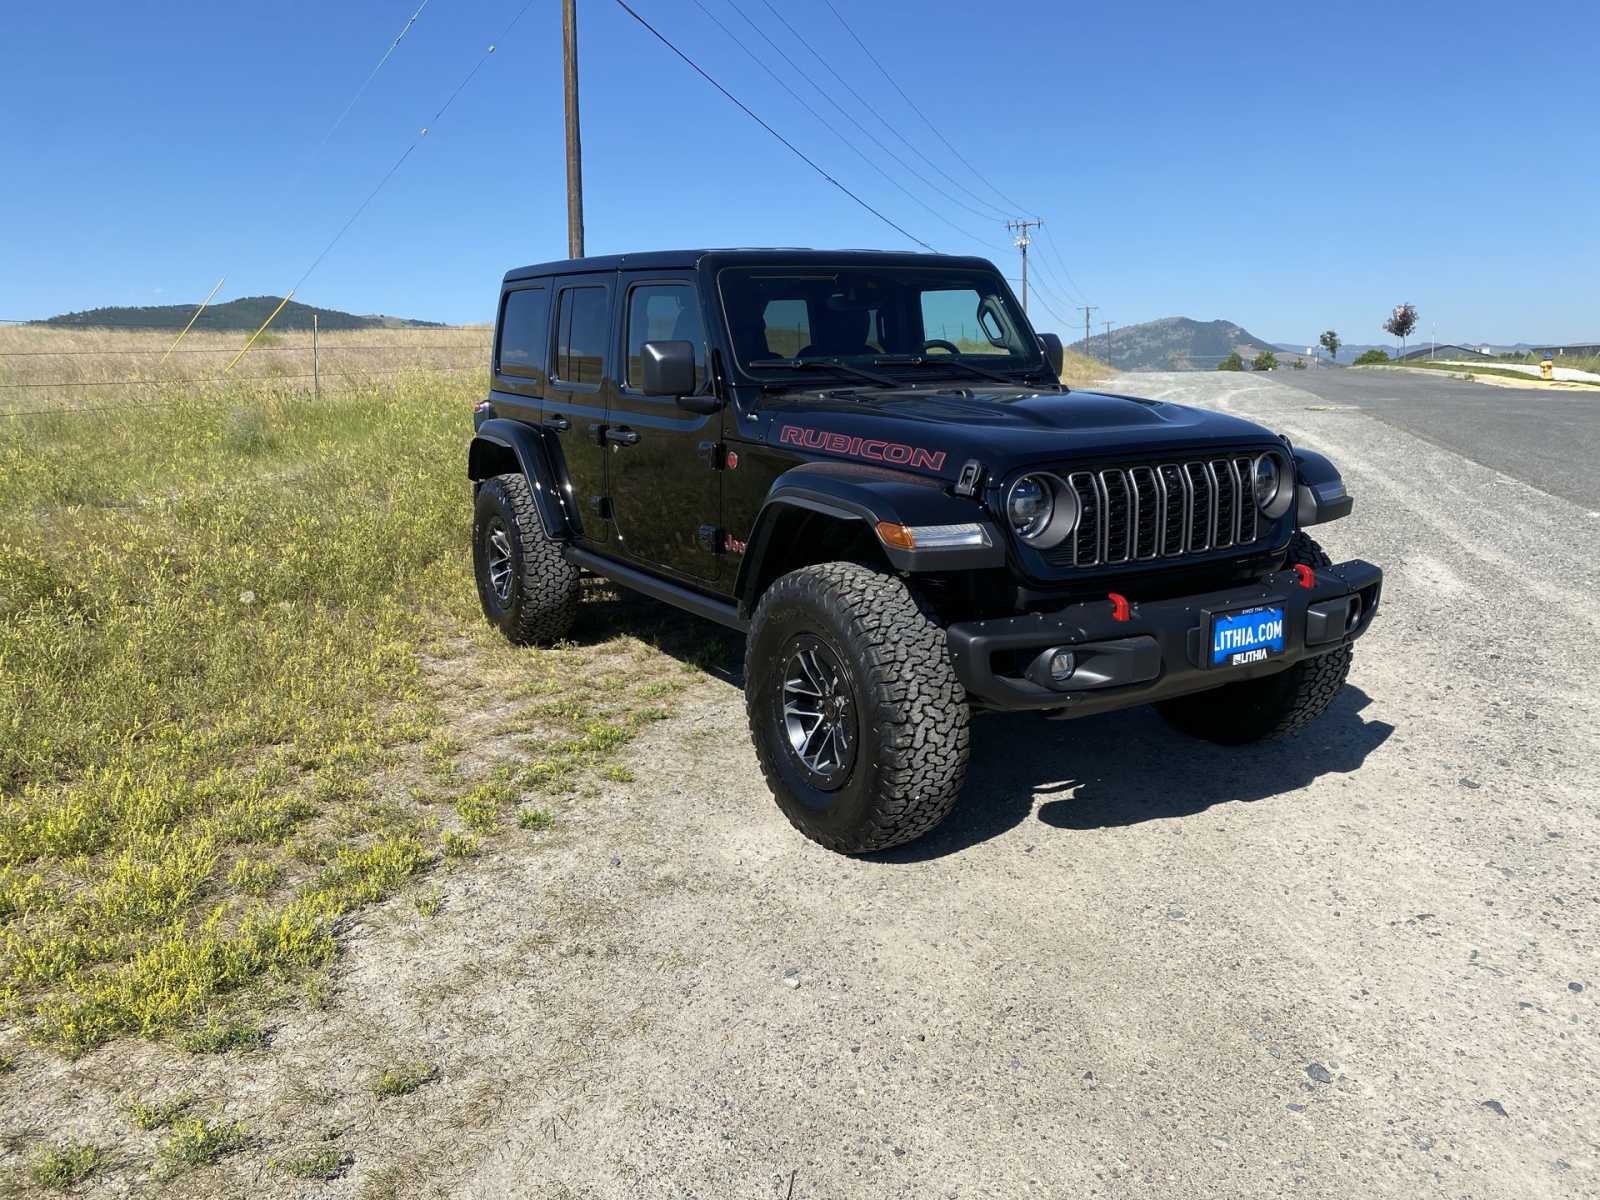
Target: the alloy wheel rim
(819, 712)
(499, 560)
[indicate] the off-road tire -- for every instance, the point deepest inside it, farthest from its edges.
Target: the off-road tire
(911, 712)
(542, 601)
(1274, 706)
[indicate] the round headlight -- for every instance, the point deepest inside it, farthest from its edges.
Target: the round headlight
(1029, 505)
(1268, 478)
(1271, 484)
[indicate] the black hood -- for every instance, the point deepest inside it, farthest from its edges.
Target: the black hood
(1005, 426)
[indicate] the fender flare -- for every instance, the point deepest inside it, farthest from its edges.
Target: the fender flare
(1320, 494)
(499, 443)
(852, 492)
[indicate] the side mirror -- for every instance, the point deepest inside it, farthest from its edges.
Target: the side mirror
(1053, 353)
(668, 368)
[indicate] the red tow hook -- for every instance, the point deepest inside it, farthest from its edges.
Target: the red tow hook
(1120, 610)
(1307, 578)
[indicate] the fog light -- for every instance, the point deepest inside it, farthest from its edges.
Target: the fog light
(1062, 664)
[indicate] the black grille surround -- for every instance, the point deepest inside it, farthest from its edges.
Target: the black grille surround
(1161, 511)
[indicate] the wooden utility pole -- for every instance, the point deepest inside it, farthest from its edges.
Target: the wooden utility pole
(569, 45)
(1020, 228)
(1087, 309)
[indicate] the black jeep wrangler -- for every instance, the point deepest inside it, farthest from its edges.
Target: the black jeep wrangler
(866, 461)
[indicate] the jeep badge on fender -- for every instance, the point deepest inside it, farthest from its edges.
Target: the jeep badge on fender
(923, 521)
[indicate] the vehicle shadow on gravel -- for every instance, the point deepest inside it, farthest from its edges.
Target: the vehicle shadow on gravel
(1128, 767)
(608, 611)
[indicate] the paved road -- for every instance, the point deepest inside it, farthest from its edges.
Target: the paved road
(1548, 439)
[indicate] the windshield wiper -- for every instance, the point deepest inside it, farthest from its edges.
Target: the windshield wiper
(831, 364)
(923, 360)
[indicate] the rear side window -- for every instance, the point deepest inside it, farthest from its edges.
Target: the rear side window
(524, 328)
(664, 312)
(583, 322)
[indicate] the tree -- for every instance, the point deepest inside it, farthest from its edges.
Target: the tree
(1265, 361)
(1232, 363)
(1401, 322)
(1330, 342)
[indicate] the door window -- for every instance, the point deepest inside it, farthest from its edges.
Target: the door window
(583, 321)
(952, 315)
(664, 312)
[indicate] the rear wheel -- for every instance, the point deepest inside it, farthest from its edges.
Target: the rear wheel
(527, 589)
(858, 719)
(1274, 706)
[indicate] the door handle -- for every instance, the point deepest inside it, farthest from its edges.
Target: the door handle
(621, 435)
(557, 422)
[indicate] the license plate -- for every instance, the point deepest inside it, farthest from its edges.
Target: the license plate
(1250, 636)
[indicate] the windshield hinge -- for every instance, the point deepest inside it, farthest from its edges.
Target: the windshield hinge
(971, 478)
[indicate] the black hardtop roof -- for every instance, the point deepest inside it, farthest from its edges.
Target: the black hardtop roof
(776, 256)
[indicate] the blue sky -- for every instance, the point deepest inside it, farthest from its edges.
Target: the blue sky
(1286, 169)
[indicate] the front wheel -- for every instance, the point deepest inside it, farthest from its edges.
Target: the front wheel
(1273, 706)
(858, 719)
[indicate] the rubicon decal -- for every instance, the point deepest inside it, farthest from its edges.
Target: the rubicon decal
(872, 449)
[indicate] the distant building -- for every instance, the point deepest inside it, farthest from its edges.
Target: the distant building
(1591, 350)
(1443, 350)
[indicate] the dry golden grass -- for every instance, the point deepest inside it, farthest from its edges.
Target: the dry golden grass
(42, 367)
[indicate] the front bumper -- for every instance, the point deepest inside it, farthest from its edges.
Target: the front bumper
(1160, 651)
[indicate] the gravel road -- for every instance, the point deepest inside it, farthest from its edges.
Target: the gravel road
(1360, 963)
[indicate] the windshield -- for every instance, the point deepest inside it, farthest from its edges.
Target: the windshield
(865, 315)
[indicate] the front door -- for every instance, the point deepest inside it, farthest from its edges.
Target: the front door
(575, 397)
(665, 486)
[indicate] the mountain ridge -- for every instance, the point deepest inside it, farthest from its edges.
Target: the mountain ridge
(245, 314)
(1174, 344)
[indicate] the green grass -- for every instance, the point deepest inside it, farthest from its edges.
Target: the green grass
(209, 623)
(196, 1141)
(156, 1114)
(220, 1036)
(403, 1080)
(322, 1164)
(60, 1167)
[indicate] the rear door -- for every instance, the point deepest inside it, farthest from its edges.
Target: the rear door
(575, 396)
(665, 485)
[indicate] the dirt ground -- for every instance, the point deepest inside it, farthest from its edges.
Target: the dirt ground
(1357, 963)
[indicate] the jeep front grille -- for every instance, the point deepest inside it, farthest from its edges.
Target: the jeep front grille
(1144, 513)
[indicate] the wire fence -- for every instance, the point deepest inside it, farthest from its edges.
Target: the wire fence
(136, 393)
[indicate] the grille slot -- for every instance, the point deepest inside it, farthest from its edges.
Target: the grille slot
(1159, 511)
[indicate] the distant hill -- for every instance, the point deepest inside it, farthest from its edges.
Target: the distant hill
(245, 314)
(1173, 344)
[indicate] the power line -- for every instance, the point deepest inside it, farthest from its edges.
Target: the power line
(826, 124)
(1050, 245)
(793, 149)
(388, 175)
(1012, 205)
(862, 100)
(366, 83)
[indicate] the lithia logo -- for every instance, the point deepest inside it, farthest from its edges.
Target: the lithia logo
(872, 449)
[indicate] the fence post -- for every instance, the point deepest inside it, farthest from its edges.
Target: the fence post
(316, 378)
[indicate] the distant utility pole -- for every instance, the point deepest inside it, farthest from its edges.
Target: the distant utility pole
(1108, 325)
(1087, 309)
(569, 47)
(1020, 228)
